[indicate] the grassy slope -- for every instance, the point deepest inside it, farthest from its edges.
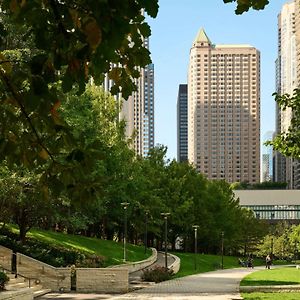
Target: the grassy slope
(205, 263)
(112, 251)
(280, 276)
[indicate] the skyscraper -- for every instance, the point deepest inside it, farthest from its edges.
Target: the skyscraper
(182, 124)
(224, 110)
(267, 159)
(286, 169)
(138, 110)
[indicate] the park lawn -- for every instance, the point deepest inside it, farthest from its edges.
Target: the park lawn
(205, 263)
(280, 276)
(112, 251)
(271, 296)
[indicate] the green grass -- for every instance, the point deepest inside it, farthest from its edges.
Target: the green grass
(281, 276)
(205, 263)
(110, 250)
(271, 296)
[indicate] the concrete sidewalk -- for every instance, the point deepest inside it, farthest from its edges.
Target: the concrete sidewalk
(216, 285)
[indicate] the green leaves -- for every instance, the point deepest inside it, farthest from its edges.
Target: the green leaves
(245, 5)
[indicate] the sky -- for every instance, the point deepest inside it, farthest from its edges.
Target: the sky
(173, 32)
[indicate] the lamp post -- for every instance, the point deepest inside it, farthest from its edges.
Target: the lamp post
(165, 216)
(195, 232)
(125, 205)
(146, 231)
(222, 249)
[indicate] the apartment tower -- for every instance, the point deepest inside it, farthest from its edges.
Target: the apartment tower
(138, 110)
(286, 169)
(182, 124)
(224, 110)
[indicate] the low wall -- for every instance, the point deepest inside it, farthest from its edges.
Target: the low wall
(5, 257)
(23, 294)
(101, 280)
(56, 279)
(175, 266)
(139, 265)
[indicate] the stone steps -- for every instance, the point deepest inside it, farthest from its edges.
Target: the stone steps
(20, 283)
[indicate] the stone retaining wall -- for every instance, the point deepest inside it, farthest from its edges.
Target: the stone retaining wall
(102, 280)
(5, 257)
(139, 265)
(23, 294)
(175, 266)
(56, 279)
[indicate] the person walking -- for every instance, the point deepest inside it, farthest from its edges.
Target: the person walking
(268, 262)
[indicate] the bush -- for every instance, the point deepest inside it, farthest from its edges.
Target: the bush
(157, 274)
(3, 280)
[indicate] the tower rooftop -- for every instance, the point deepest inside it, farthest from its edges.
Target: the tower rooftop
(202, 37)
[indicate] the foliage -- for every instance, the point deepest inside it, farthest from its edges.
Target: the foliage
(283, 241)
(279, 276)
(3, 280)
(268, 185)
(288, 143)
(157, 274)
(244, 5)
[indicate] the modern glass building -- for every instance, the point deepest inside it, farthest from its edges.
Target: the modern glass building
(182, 124)
(272, 205)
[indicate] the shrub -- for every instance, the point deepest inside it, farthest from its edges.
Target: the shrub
(3, 280)
(157, 274)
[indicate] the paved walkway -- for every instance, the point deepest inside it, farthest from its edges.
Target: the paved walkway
(217, 285)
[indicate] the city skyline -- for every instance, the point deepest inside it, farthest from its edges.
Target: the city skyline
(177, 24)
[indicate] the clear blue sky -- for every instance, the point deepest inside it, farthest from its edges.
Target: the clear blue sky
(173, 32)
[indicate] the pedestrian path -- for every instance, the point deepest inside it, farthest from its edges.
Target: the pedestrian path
(217, 285)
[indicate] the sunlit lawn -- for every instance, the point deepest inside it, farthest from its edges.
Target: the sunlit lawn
(280, 276)
(271, 296)
(205, 263)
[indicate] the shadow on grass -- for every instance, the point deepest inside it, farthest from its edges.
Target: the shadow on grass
(246, 282)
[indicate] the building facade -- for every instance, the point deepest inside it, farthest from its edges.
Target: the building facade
(267, 158)
(224, 110)
(271, 205)
(138, 110)
(287, 74)
(182, 124)
(138, 113)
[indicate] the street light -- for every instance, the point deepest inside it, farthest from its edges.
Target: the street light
(222, 249)
(125, 205)
(146, 231)
(195, 231)
(165, 216)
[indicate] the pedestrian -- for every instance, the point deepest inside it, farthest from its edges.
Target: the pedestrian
(268, 262)
(250, 262)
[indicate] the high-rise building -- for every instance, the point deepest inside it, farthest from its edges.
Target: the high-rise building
(182, 124)
(138, 110)
(267, 158)
(224, 110)
(287, 169)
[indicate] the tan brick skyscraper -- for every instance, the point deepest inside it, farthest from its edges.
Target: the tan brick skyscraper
(224, 110)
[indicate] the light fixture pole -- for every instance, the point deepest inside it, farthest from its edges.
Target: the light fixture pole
(165, 216)
(125, 205)
(146, 231)
(195, 232)
(222, 249)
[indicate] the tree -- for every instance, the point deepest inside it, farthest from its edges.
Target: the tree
(288, 143)
(245, 5)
